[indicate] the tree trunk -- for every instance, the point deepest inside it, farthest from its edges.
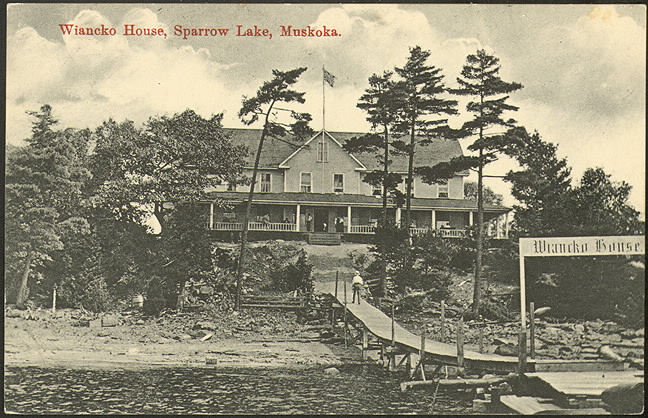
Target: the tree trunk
(480, 238)
(383, 278)
(410, 174)
(22, 291)
(246, 219)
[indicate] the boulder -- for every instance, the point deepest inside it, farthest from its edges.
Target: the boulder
(332, 371)
(95, 323)
(109, 321)
(507, 350)
(626, 398)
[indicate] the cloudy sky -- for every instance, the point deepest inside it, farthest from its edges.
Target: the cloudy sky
(582, 66)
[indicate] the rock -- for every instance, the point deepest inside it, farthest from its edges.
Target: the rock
(140, 322)
(626, 398)
(641, 332)
(505, 388)
(507, 350)
(109, 321)
(332, 371)
(206, 290)
(612, 338)
(103, 333)
(488, 376)
(95, 323)
(206, 337)
(579, 328)
(12, 313)
(208, 325)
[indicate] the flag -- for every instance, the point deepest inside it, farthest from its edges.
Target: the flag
(328, 77)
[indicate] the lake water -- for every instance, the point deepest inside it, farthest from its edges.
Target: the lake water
(358, 389)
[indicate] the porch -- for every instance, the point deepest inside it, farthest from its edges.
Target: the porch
(351, 220)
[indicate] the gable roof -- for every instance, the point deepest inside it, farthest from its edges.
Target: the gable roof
(317, 135)
(276, 152)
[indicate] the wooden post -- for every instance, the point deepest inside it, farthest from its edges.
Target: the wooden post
(481, 336)
(522, 359)
(337, 275)
(442, 320)
(54, 299)
(422, 356)
(365, 342)
(393, 333)
(532, 329)
(460, 342)
(345, 315)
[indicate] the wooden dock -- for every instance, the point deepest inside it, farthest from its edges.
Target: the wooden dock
(560, 387)
(380, 326)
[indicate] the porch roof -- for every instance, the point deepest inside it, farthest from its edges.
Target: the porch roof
(341, 199)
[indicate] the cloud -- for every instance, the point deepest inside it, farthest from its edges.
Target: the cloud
(88, 79)
(595, 65)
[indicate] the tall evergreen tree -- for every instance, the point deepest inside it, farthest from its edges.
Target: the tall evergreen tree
(44, 192)
(480, 80)
(541, 187)
(423, 91)
(263, 105)
(381, 101)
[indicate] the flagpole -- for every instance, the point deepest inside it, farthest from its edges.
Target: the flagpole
(323, 102)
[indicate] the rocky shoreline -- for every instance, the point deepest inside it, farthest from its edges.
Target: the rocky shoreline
(128, 340)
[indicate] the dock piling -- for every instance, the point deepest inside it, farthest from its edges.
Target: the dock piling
(532, 329)
(460, 342)
(443, 320)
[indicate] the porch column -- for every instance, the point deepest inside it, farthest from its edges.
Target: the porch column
(297, 216)
(470, 218)
(348, 223)
(506, 226)
(497, 227)
(211, 216)
(433, 219)
(398, 216)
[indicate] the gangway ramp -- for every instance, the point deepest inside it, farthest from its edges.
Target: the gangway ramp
(380, 325)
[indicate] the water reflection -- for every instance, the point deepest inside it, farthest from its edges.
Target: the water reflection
(356, 390)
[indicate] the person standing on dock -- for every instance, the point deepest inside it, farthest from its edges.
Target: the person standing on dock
(356, 284)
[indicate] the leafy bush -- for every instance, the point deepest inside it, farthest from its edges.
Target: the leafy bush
(86, 292)
(293, 276)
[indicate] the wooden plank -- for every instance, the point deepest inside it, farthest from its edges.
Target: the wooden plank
(527, 405)
(578, 366)
(379, 325)
(586, 383)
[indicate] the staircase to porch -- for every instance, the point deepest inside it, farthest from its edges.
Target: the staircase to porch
(324, 238)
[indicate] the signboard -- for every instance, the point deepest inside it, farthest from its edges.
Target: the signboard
(582, 246)
(569, 247)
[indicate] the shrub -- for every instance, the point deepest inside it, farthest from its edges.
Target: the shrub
(293, 276)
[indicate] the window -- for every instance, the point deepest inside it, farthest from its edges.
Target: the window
(322, 151)
(266, 182)
(376, 190)
(442, 186)
(231, 186)
(338, 183)
(306, 183)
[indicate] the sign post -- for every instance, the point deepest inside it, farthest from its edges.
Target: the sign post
(569, 247)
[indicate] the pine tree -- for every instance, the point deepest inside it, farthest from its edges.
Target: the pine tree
(423, 91)
(44, 192)
(542, 187)
(381, 101)
(263, 105)
(480, 80)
